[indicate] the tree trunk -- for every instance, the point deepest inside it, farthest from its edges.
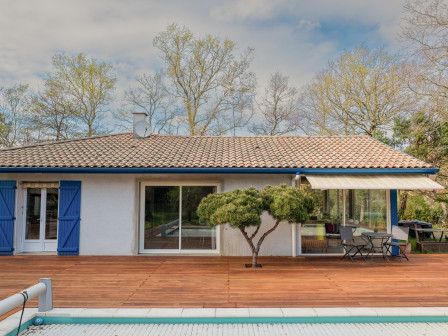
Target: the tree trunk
(254, 258)
(403, 201)
(445, 211)
(256, 249)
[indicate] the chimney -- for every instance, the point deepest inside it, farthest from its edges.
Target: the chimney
(136, 118)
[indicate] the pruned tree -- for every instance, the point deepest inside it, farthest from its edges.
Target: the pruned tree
(151, 96)
(361, 92)
(425, 29)
(242, 210)
(13, 115)
(85, 83)
(278, 108)
(204, 76)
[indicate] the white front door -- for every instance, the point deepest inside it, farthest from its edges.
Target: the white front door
(41, 220)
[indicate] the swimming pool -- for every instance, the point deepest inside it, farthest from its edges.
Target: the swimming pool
(236, 329)
(255, 325)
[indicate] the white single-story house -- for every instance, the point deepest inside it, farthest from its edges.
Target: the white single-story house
(121, 194)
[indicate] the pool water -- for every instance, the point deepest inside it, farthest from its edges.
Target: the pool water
(359, 326)
(372, 329)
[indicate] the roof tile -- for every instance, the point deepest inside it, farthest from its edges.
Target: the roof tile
(165, 151)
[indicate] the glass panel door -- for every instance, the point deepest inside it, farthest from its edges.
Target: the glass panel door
(51, 218)
(33, 209)
(161, 218)
(170, 220)
(41, 219)
(320, 235)
(195, 234)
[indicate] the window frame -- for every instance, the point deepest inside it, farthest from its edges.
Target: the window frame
(298, 230)
(42, 242)
(141, 224)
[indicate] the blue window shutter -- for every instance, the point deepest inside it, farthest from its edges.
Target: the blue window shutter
(7, 211)
(69, 217)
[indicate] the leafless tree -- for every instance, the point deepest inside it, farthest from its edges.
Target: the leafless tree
(204, 75)
(278, 108)
(425, 28)
(151, 96)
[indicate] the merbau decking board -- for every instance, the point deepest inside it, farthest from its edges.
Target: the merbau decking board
(179, 281)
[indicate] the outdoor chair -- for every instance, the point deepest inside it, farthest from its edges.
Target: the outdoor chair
(349, 244)
(401, 234)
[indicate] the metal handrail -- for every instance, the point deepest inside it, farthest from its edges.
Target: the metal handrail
(43, 289)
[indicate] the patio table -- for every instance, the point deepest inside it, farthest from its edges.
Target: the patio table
(378, 237)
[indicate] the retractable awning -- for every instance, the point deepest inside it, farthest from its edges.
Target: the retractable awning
(400, 182)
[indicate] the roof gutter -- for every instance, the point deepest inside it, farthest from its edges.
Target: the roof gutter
(307, 171)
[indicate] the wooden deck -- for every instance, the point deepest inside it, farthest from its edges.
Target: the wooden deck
(143, 281)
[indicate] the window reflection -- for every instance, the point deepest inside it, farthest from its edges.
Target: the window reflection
(33, 209)
(365, 210)
(168, 227)
(196, 235)
(161, 217)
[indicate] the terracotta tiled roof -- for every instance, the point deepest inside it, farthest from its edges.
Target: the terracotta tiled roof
(164, 151)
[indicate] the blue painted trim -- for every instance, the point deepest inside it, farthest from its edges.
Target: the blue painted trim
(394, 216)
(308, 171)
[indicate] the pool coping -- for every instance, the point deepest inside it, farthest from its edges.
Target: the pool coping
(11, 323)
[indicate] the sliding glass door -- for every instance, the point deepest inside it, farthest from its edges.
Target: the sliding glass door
(169, 222)
(161, 218)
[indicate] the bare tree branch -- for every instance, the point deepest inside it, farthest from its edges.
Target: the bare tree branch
(151, 96)
(206, 76)
(361, 92)
(278, 108)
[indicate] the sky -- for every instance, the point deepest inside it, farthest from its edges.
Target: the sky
(295, 37)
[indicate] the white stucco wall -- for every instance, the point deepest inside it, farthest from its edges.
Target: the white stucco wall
(110, 211)
(109, 215)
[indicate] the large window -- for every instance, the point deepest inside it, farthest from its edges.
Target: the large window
(365, 210)
(320, 234)
(170, 221)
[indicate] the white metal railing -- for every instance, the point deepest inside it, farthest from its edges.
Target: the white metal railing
(43, 289)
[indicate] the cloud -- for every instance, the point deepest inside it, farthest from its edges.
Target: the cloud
(288, 35)
(308, 25)
(246, 9)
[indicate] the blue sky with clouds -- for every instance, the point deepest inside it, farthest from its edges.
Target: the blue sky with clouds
(296, 37)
